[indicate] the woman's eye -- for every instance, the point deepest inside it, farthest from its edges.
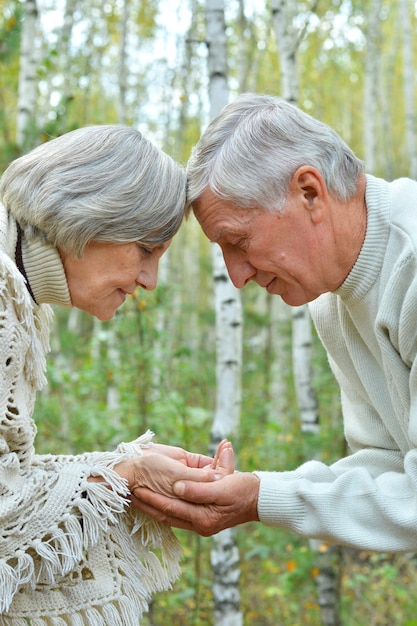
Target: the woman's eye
(144, 249)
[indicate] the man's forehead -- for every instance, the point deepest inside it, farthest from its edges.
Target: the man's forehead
(206, 200)
(222, 218)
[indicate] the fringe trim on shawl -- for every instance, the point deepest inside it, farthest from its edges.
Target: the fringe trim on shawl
(141, 574)
(66, 547)
(134, 538)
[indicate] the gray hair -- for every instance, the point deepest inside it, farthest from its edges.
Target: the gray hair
(250, 151)
(104, 183)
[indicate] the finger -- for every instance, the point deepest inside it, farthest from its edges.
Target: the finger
(218, 451)
(198, 460)
(191, 459)
(200, 492)
(158, 516)
(226, 461)
(162, 508)
(194, 474)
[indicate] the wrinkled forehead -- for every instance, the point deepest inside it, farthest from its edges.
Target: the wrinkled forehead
(220, 218)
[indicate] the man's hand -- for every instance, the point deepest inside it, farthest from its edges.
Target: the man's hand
(204, 507)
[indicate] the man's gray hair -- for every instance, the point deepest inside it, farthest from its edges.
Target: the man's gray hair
(250, 151)
(104, 183)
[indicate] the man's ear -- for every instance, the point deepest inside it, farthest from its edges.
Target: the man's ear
(309, 184)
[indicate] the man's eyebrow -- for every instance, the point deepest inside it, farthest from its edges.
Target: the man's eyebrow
(222, 232)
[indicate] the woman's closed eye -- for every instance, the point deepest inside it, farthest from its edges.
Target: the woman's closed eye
(145, 249)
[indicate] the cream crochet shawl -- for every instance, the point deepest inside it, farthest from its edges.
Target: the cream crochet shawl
(71, 551)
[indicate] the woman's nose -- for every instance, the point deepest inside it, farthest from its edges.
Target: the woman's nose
(148, 278)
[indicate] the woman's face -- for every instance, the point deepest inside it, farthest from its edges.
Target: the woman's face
(106, 273)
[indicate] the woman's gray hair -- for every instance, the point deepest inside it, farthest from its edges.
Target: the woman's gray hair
(250, 151)
(104, 183)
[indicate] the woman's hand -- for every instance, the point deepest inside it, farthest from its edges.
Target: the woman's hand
(161, 466)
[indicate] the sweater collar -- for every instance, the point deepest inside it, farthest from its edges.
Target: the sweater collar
(368, 264)
(45, 273)
(39, 263)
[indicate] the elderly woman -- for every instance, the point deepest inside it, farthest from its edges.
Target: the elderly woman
(84, 220)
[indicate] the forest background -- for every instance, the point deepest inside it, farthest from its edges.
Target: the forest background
(68, 63)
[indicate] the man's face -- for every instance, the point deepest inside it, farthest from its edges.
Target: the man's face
(282, 252)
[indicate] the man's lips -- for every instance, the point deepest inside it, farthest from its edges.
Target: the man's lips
(270, 286)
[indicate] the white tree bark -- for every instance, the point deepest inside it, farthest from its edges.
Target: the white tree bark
(217, 56)
(224, 553)
(229, 352)
(28, 84)
(226, 569)
(160, 325)
(371, 82)
(279, 318)
(409, 84)
(301, 359)
(283, 14)
(123, 70)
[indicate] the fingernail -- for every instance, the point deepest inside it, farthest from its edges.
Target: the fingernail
(179, 489)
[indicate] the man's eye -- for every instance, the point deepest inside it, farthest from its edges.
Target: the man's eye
(238, 243)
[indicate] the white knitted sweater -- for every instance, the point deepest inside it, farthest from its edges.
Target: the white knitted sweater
(369, 329)
(71, 551)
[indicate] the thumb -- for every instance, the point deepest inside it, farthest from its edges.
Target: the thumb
(179, 489)
(195, 491)
(195, 476)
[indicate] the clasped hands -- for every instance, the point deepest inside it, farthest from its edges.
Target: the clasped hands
(191, 491)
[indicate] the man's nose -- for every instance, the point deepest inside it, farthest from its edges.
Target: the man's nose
(239, 269)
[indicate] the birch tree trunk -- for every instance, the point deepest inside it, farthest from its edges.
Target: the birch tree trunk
(327, 558)
(409, 85)
(160, 323)
(283, 14)
(301, 358)
(28, 85)
(278, 342)
(123, 71)
(224, 553)
(248, 55)
(65, 49)
(372, 77)
(388, 104)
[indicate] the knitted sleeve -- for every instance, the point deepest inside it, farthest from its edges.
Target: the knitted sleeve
(367, 500)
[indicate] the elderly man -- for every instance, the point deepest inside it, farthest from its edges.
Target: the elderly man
(292, 209)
